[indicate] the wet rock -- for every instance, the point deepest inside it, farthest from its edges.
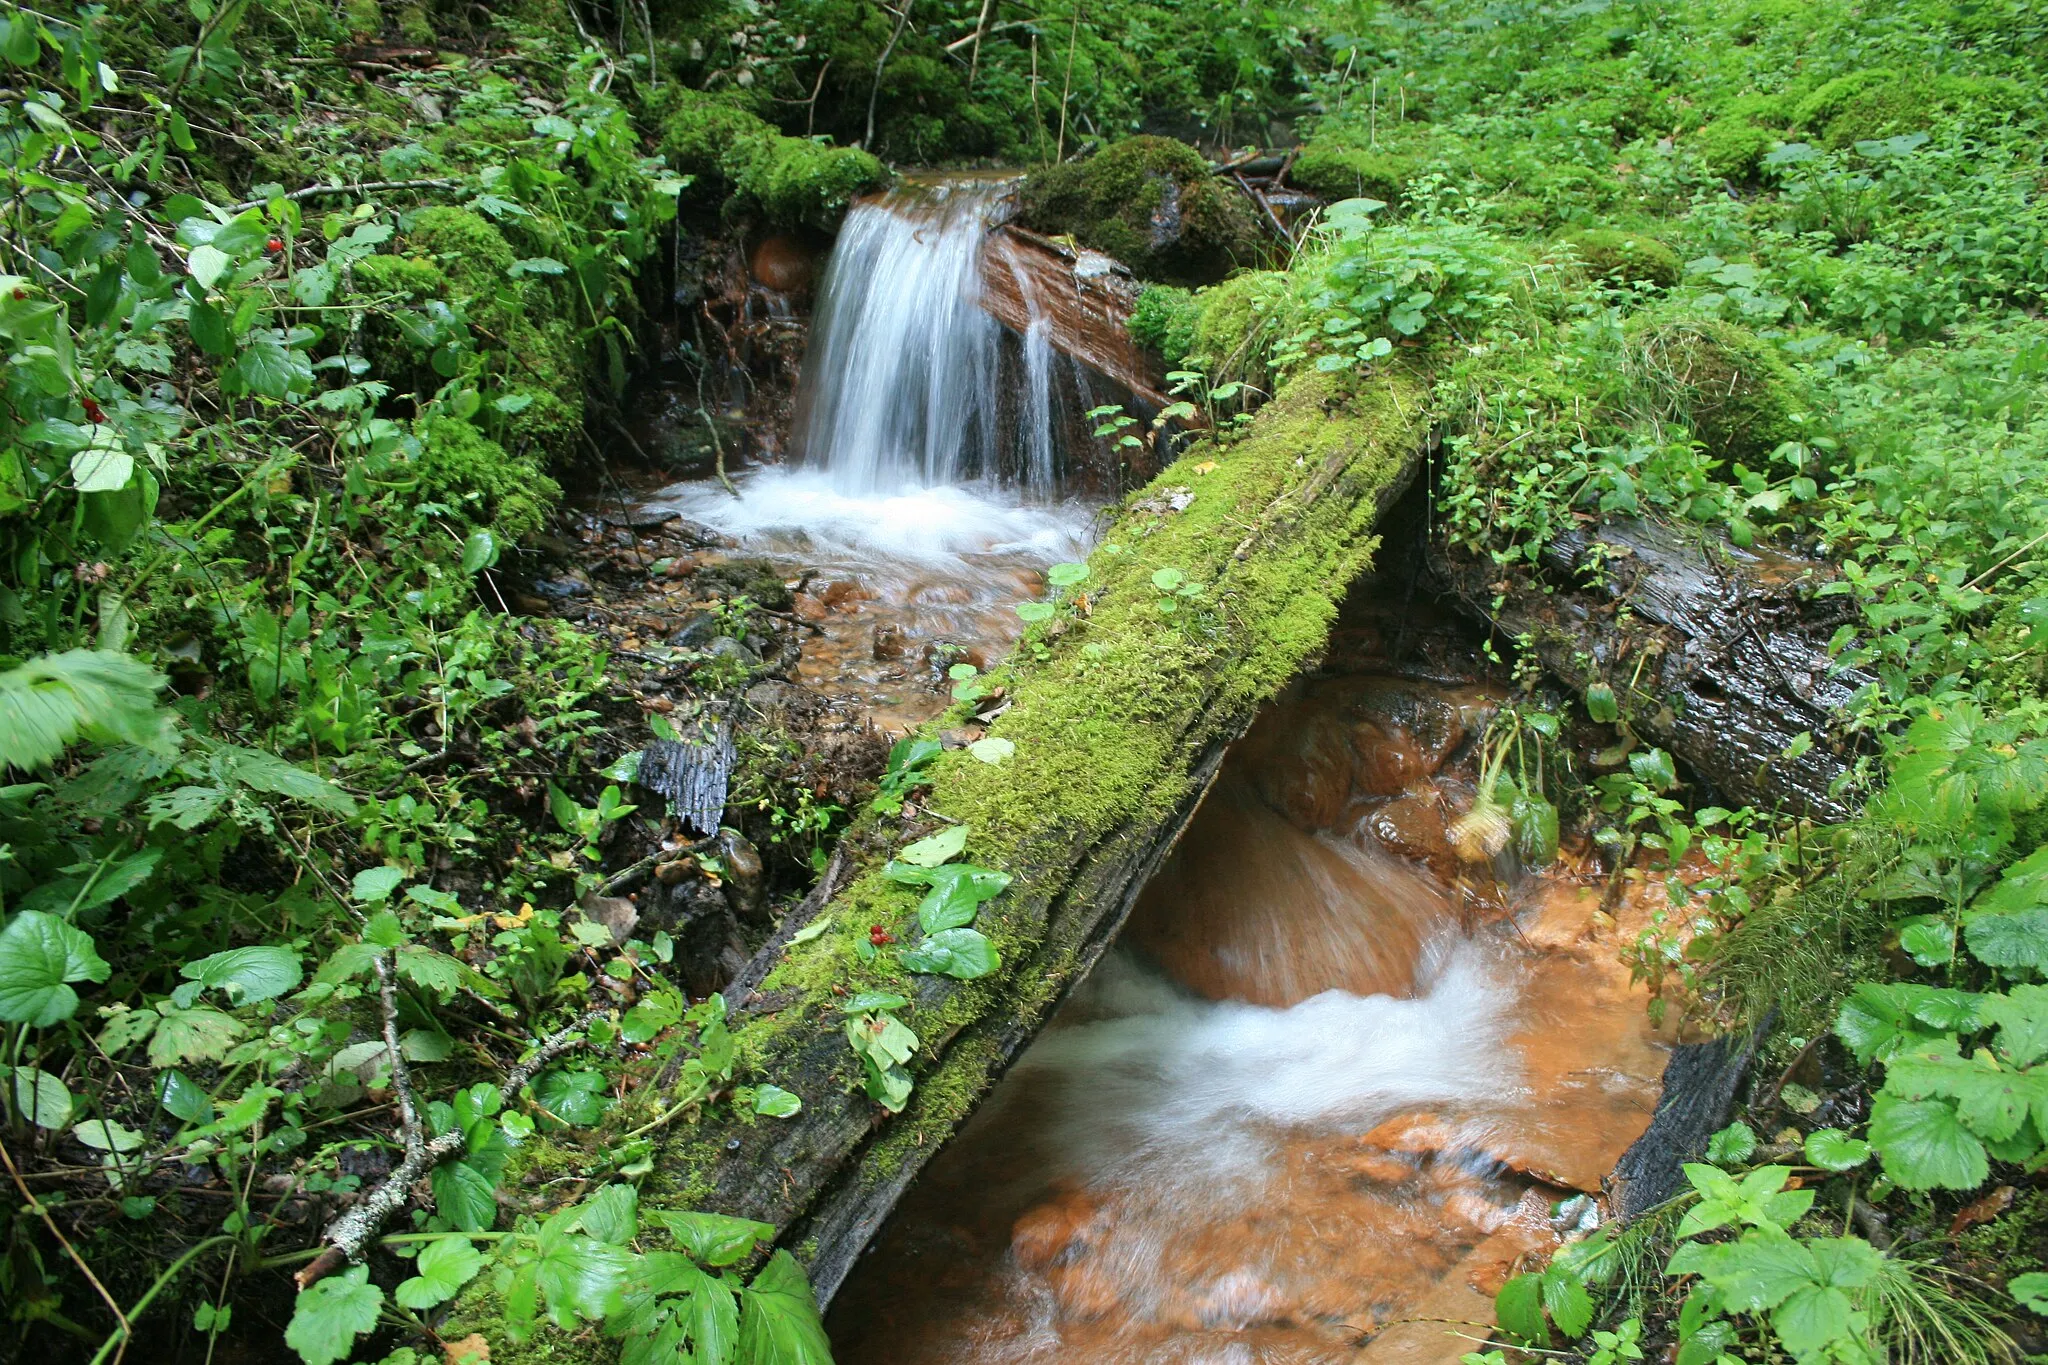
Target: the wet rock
(755, 578)
(745, 887)
(843, 592)
(1060, 1230)
(783, 264)
(810, 608)
(699, 919)
(771, 698)
(617, 914)
(1413, 826)
(568, 585)
(696, 632)
(735, 651)
(889, 642)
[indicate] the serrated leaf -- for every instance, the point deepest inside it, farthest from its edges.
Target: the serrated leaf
(463, 1195)
(1924, 1146)
(2010, 942)
(779, 1318)
(611, 1215)
(247, 975)
(193, 1035)
(1732, 1145)
(1833, 1150)
(447, 1264)
(715, 1239)
(331, 1313)
(55, 698)
(374, 885)
(1518, 1308)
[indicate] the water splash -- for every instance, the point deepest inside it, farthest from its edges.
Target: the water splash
(908, 382)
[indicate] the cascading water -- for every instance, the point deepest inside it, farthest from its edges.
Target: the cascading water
(930, 447)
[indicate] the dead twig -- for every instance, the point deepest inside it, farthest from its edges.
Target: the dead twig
(349, 1234)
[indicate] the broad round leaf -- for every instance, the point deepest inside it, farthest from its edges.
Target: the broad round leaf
(1831, 1149)
(41, 1097)
(775, 1102)
(960, 953)
(39, 953)
(331, 1314)
(1925, 1146)
(940, 847)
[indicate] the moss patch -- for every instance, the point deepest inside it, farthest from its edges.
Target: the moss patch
(483, 483)
(1627, 257)
(1730, 385)
(1151, 203)
(789, 181)
(1335, 166)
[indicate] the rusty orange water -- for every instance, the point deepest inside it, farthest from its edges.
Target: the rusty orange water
(1330, 1082)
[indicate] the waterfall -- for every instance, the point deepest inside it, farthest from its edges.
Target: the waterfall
(908, 382)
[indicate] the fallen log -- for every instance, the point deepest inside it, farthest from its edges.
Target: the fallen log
(1083, 300)
(1120, 714)
(1717, 653)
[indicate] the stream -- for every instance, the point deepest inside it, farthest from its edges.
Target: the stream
(1335, 1083)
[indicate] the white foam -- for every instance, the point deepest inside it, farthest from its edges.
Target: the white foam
(1176, 1092)
(805, 511)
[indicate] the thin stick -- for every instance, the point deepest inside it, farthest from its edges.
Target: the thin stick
(347, 1235)
(364, 187)
(875, 91)
(125, 1331)
(988, 10)
(1067, 85)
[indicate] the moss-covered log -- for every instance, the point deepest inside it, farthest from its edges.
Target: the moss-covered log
(1120, 713)
(1717, 653)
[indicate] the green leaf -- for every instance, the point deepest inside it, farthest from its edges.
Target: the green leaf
(1066, 575)
(480, 551)
(261, 770)
(105, 1135)
(1876, 1020)
(1035, 611)
(1810, 1318)
(39, 955)
(271, 367)
(1567, 1302)
(55, 698)
(1833, 1150)
(23, 48)
(611, 1214)
(208, 263)
(775, 1102)
(1518, 1308)
(1732, 1145)
(1601, 705)
(43, 1099)
(715, 1239)
(957, 894)
(2013, 942)
(463, 1195)
(992, 749)
(1166, 580)
(961, 953)
(102, 469)
(779, 1318)
(1924, 1145)
(932, 851)
(182, 1098)
(194, 1035)
(331, 1314)
(247, 975)
(374, 885)
(2022, 1018)
(447, 1264)
(2031, 1290)
(577, 1098)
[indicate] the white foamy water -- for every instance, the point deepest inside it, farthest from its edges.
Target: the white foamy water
(807, 512)
(1165, 1091)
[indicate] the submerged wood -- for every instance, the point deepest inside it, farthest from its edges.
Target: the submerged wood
(1700, 1082)
(1717, 653)
(1119, 725)
(1083, 298)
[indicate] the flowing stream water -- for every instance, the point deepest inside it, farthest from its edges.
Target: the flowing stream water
(1335, 1083)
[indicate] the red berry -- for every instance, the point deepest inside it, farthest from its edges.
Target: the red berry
(877, 935)
(21, 293)
(92, 410)
(274, 245)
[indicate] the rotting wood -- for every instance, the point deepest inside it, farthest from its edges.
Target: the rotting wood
(1082, 298)
(1700, 1082)
(1156, 718)
(1717, 653)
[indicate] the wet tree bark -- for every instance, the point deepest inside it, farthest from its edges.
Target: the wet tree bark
(1716, 653)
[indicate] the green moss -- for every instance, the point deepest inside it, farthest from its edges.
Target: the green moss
(1884, 108)
(528, 325)
(789, 181)
(362, 18)
(1628, 257)
(1731, 386)
(460, 466)
(1151, 203)
(1234, 326)
(415, 27)
(1333, 165)
(1731, 147)
(410, 276)
(1164, 320)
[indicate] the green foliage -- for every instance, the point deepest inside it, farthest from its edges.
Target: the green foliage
(1164, 319)
(788, 181)
(1625, 257)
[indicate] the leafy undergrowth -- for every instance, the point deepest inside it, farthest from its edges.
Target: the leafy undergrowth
(1774, 272)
